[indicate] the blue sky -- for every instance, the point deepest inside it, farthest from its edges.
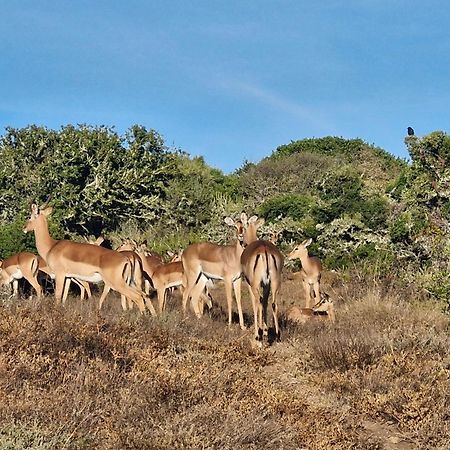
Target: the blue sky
(229, 80)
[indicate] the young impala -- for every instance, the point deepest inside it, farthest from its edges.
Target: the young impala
(310, 272)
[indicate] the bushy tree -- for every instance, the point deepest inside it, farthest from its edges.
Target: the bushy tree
(96, 177)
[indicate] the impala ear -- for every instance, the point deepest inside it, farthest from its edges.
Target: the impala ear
(253, 219)
(259, 222)
(244, 219)
(307, 242)
(47, 211)
(229, 221)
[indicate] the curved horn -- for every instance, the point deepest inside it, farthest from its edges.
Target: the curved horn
(46, 202)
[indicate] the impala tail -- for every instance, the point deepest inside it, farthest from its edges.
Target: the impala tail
(265, 266)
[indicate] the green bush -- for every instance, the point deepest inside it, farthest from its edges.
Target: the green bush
(290, 205)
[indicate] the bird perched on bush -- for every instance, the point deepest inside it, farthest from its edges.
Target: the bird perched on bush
(410, 131)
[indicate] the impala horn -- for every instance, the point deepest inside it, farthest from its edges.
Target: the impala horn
(46, 202)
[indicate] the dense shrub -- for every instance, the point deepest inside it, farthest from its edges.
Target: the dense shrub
(289, 205)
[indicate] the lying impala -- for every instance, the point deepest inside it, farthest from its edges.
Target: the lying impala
(262, 264)
(18, 266)
(207, 261)
(69, 259)
(310, 272)
(323, 310)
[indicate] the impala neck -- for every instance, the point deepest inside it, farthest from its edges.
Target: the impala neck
(306, 262)
(44, 242)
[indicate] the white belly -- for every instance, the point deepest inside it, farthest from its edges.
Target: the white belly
(94, 278)
(17, 275)
(173, 284)
(212, 276)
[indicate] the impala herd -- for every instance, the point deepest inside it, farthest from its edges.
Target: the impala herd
(133, 271)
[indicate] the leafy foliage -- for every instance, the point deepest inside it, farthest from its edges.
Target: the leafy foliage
(359, 204)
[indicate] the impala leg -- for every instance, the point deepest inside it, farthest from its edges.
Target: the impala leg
(32, 279)
(124, 302)
(229, 295)
(82, 291)
(275, 288)
(66, 290)
(316, 287)
(307, 290)
(161, 292)
(209, 300)
(237, 293)
(105, 292)
(15, 286)
(254, 298)
(149, 305)
(130, 303)
(60, 281)
(264, 303)
(147, 286)
(259, 305)
(196, 291)
(87, 288)
(36, 286)
(189, 282)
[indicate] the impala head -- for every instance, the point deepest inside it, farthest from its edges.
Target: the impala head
(99, 241)
(37, 216)
(301, 250)
(245, 228)
(127, 245)
(174, 256)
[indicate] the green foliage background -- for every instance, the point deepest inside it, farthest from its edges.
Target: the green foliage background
(362, 206)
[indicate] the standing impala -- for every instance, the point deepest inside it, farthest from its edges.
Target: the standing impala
(27, 265)
(207, 261)
(21, 265)
(310, 272)
(262, 264)
(69, 259)
(83, 285)
(135, 276)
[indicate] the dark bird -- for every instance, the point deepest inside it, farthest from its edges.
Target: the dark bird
(410, 131)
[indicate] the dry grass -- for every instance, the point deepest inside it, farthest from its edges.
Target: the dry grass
(377, 378)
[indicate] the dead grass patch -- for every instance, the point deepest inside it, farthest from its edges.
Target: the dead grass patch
(73, 378)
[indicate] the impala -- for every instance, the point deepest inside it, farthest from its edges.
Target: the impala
(21, 265)
(310, 272)
(83, 285)
(165, 277)
(135, 277)
(207, 261)
(150, 261)
(324, 310)
(69, 259)
(262, 264)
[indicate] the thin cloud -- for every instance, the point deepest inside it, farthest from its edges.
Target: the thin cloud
(278, 102)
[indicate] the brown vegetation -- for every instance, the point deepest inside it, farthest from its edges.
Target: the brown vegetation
(379, 377)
